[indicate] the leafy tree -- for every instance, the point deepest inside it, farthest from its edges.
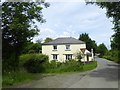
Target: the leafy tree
(112, 55)
(112, 10)
(17, 19)
(48, 40)
(102, 49)
(34, 47)
(90, 44)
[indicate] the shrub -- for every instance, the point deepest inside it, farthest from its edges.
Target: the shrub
(9, 64)
(73, 65)
(33, 62)
(33, 66)
(57, 67)
(26, 57)
(52, 66)
(112, 55)
(79, 56)
(31, 51)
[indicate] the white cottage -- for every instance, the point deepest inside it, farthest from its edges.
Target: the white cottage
(62, 49)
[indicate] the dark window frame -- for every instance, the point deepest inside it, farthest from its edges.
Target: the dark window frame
(54, 47)
(68, 56)
(55, 56)
(67, 47)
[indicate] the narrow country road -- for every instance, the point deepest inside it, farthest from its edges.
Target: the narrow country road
(104, 76)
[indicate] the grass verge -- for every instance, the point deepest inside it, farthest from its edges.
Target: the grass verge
(90, 66)
(14, 78)
(71, 67)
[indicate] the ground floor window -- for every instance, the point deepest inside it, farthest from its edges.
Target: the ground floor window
(68, 56)
(55, 56)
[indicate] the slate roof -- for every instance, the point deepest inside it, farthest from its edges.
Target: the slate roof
(65, 40)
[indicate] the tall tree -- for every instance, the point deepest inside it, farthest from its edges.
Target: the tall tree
(112, 10)
(17, 21)
(90, 44)
(102, 49)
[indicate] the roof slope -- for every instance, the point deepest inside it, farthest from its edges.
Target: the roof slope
(66, 40)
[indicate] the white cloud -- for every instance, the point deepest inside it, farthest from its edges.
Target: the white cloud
(66, 19)
(44, 33)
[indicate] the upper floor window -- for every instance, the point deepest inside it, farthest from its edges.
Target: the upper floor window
(54, 47)
(67, 47)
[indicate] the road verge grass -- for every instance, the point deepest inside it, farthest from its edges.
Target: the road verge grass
(17, 77)
(22, 76)
(90, 66)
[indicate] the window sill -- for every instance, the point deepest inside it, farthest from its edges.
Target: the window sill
(67, 50)
(54, 50)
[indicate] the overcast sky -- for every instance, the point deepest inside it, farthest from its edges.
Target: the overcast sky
(70, 19)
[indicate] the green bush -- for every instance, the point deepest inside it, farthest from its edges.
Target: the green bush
(57, 67)
(73, 65)
(112, 55)
(31, 51)
(52, 66)
(33, 62)
(9, 64)
(79, 56)
(26, 57)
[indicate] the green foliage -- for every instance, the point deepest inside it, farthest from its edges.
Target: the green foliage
(113, 10)
(57, 67)
(26, 57)
(17, 22)
(90, 44)
(69, 66)
(12, 78)
(31, 51)
(112, 55)
(33, 66)
(102, 49)
(37, 47)
(90, 66)
(51, 67)
(48, 40)
(7, 64)
(79, 56)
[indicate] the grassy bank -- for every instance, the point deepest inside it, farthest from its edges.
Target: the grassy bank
(22, 76)
(12, 78)
(112, 55)
(90, 66)
(71, 66)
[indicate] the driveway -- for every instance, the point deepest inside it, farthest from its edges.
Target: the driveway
(104, 76)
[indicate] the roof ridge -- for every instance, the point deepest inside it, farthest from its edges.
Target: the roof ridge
(65, 40)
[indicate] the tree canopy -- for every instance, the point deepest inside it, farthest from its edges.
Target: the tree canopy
(102, 49)
(18, 25)
(90, 44)
(48, 40)
(113, 11)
